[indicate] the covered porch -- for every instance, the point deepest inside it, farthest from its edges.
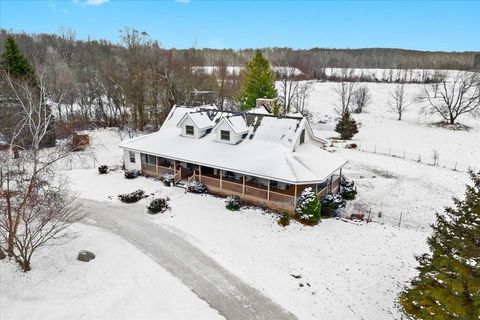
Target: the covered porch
(252, 189)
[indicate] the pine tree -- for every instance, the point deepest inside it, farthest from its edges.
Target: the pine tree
(308, 206)
(346, 126)
(16, 66)
(13, 61)
(448, 286)
(258, 82)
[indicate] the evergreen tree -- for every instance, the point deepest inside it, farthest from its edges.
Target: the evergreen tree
(346, 126)
(308, 206)
(448, 286)
(258, 82)
(16, 66)
(13, 61)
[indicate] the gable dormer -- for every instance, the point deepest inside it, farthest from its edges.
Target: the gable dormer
(304, 134)
(230, 129)
(195, 124)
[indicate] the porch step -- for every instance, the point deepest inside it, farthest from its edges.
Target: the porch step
(182, 183)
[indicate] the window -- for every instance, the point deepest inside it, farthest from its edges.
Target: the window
(132, 156)
(302, 136)
(225, 135)
(189, 130)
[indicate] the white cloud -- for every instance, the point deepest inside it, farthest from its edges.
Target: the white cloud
(182, 1)
(95, 2)
(90, 2)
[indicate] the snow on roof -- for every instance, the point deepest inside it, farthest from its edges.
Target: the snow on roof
(201, 119)
(261, 110)
(238, 124)
(266, 152)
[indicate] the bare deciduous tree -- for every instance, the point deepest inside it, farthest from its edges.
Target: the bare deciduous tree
(398, 101)
(345, 92)
(303, 90)
(35, 205)
(361, 98)
(453, 97)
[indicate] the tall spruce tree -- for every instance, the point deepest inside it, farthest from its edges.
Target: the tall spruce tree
(448, 286)
(15, 65)
(13, 62)
(258, 82)
(346, 126)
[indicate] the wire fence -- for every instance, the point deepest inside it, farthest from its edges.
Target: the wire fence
(434, 158)
(77, 161)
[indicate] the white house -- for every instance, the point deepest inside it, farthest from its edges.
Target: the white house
(261, 158)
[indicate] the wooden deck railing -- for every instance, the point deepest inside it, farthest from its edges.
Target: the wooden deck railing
(240, 189)
(232, 186)
(154, 170)
(256, 192)
(282, 198)
(208, 181)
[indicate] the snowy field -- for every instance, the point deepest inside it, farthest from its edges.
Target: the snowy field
(347, 270)
(120, 283)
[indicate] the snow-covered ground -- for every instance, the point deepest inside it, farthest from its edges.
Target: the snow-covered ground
(415, 135)
(120, 283)
(347, 270)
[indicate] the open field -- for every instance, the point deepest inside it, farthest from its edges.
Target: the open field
(336, 270)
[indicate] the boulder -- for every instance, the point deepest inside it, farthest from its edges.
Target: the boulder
(85, 256)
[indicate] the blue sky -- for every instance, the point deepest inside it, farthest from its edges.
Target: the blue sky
(423, 25)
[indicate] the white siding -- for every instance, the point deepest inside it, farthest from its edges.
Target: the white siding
(308, 138)
(234, 138)
(196, 133)
(129, 165)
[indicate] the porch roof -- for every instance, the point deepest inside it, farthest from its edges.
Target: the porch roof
(257, 157)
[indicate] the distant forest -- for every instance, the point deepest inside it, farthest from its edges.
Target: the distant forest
(136, 81)
(309, 61)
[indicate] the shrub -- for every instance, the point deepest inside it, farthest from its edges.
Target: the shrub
(346, 126)
(233, 203)
(131, 174)
(132, 197)
(196, 187)
(158, 205)
(347, 188)
(103, 169)
(330, 203)
(168, 179)
(284, 219)
(308, 207)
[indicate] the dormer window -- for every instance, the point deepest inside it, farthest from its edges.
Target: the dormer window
(189, 130)
(225, 135)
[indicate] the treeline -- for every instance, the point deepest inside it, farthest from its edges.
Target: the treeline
(135, 82)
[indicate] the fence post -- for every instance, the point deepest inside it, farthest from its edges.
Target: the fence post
(455, 166)
(400, 220)
(375, 150)
(403, 154)
(389, 151)
(419, 158)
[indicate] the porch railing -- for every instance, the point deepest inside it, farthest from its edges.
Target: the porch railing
(284, 200)
(154, 170)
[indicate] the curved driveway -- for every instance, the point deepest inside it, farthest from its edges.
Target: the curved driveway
(222, 290)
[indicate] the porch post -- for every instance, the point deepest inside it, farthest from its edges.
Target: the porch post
(268, 190)
(156, 161)
(295, 198)
(243, 186)
(221, 174)
(316, 188)
(200, 171)
(174, 167)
